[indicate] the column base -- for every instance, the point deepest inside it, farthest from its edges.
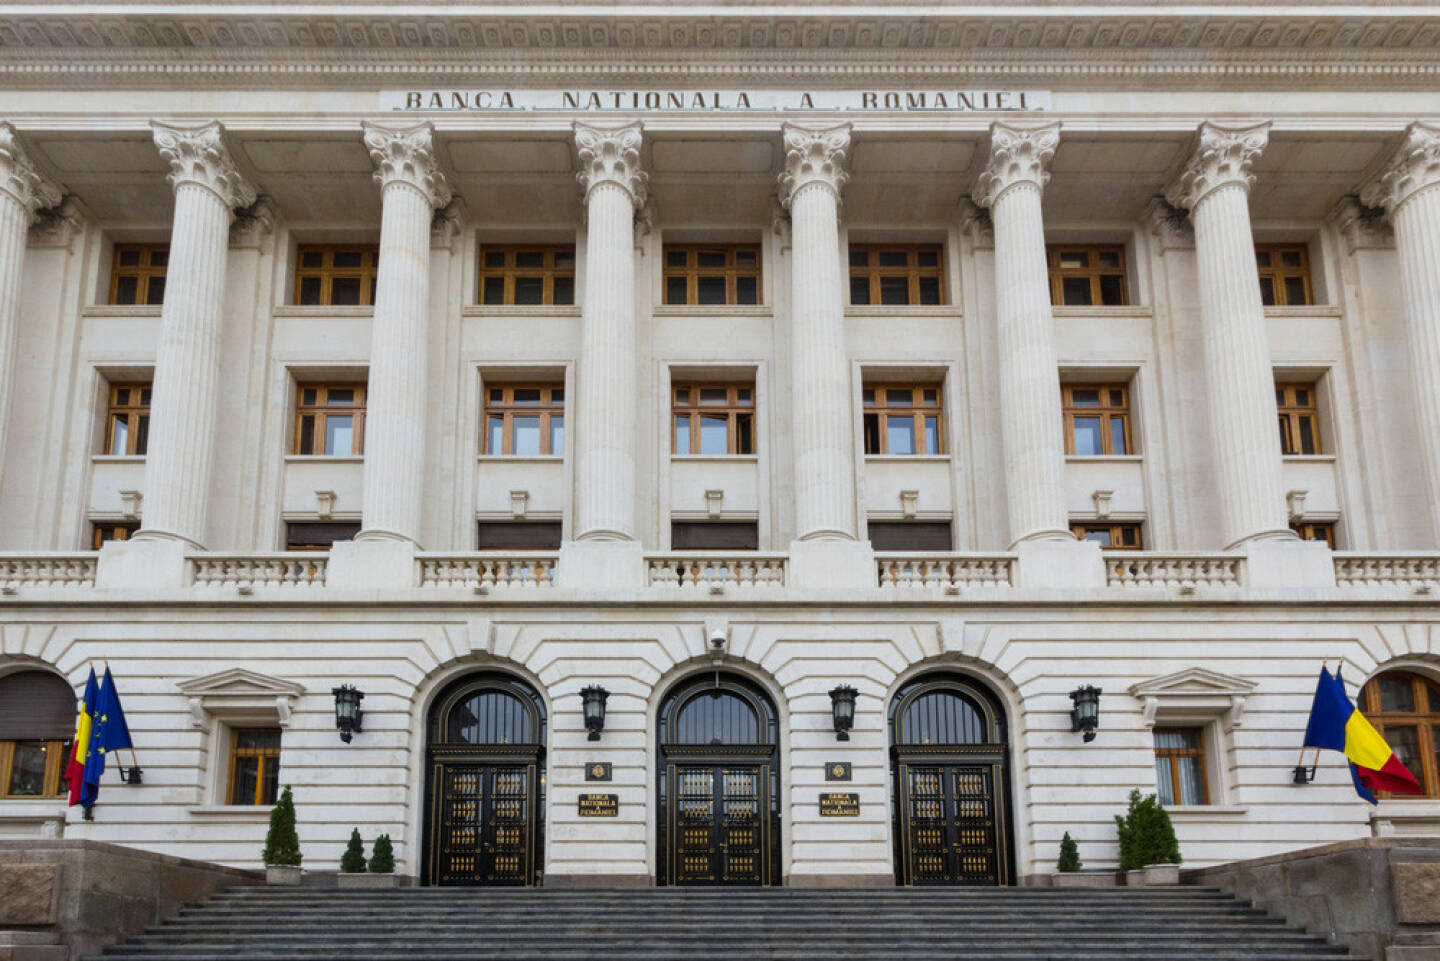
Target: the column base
(1060, 564)
(606, 565)
(1288, 562)
(144, 563)
(372, 564)
(832, 563)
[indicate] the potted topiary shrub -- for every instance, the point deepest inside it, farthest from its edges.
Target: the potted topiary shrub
(382, 865)
(282, 844)
(1149, 851)
(1068, 873)
(352, 862)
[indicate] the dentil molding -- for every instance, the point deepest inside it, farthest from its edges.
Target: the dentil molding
(1017, 155)
(407, 155)
(1414, 166)
(611, 155)
(813, 155)
(197, 154)
(1223, 156)
(19, 178)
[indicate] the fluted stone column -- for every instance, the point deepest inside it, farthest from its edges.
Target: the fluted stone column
(821, 408)
(1239, 379)
(605, 409)
(1031, 425)
(412, 187)
(1409, 191)
(186, 396)
(23, 192)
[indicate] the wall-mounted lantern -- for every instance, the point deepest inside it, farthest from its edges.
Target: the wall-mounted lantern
(842, 710)
(348, 716)
(594, 698)
(1085, 715)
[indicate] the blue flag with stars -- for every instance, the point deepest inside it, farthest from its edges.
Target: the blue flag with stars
(109, 734)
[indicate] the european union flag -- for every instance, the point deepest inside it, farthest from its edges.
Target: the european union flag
(110, 733)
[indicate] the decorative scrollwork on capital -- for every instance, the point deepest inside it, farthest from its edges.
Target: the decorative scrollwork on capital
(1412, 168)
(612, 155)
(197, 154)
(1222, 157)
(20, 179)
(1017, 155)
(407, 155)
(814, 155)
(1169, 225)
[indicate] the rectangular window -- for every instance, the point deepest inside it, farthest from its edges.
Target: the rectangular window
(254, 765)
(127, 420)
(910, 535)
(532, 275)
(137, 275)
(33, 769)
(1315, 531)
(330, 419)
(525, 420)
(1180, 765)
(899, 275)
(723, 274)
(518, 535)
(1284, 274)
(334, 275)
(1085, 276)
(101, 533)
(713, 419)
(1111, 537)
(902, 419)
(714, 536)
(1299, 419)
(318, 535)
(1097, 419)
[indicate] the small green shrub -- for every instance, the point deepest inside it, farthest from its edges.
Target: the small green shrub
(353, 860)
(382, 856)
(1069, 855)
(1146, 834)
(282, 844)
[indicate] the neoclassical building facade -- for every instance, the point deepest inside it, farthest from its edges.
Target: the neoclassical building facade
(756, 445)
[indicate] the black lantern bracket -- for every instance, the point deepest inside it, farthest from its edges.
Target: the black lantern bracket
(842, 710)
(131, 775)
(349, 718)
(1085, 714)
(593, 700)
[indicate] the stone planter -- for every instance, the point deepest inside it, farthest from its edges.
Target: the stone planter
(283, 874)
(1135, 879)
(367, 880)
(1083, 879)
(1161, 875)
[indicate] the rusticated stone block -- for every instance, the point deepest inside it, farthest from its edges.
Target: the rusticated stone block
(1417, 891)
(27, 893)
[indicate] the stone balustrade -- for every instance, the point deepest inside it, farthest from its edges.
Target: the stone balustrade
(1146, 569)
(948, 571)
(260, 570)
(716, 569)
(1388, 570)
(487, 570)
(47, 570)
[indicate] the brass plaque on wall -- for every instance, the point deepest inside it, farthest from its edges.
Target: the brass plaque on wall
(597, 771)
(837, 771)
(599, 805)
(839, 805)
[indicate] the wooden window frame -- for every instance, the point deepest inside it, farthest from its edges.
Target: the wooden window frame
(1315, 531)
(548, 272)
(733, 409)
(1425, 718)
(263, 754)
(1175, 753)
(1117, 531)
(1291, 412)
(319, 411)
(506, 408)
(1054, 253)
(133, 414)
(917, 412)
(119, 531)
(1277, 273)
(1107, 411)
(692, 272)
(142, 272)
(912, 271)
(327, 273)
(53, 782)
(307, 547)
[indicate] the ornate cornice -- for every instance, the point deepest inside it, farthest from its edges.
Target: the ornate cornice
(1361, 227)
(197, 154)
(19, 178)
(611, 155)
(1222, 157)
(1169, 225)
(1017, 155)
(1412, 168)
(813, 155)
(407, 155)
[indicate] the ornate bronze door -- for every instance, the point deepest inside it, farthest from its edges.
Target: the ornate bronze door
(484, 821)
(718, 829)
(950, 823)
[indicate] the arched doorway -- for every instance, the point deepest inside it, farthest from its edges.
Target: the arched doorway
(485, 783)
(719, 783)
(950, 784)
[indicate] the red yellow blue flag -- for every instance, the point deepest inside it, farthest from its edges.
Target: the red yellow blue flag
(1336, 724)
(80, 750)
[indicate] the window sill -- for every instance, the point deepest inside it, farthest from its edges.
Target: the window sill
(33, 808)
(715, 458)
(121, 310)
(521, 458)
(713, 310)
(919, 310)
(522, 310)
(1197, 812)
(1308, 310)
(1103, 458)
(117, 458)
(907, 458)
(1309, 458)
(337, 312)
(324, 458)
(1100, 311)
(232, 812)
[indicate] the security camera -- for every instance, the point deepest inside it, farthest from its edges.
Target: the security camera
(717, 640)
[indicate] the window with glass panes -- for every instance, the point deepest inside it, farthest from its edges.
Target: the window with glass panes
(137, 275)
(1405, 709)
(902, 419)
(713, 419)
(318, 535)
(127, 420)
(1112, 537)
(33, 768)
(37, 721)
(1315, 531)
(1085, 276)
(534, 275)
(897, 275)
(1284, 274)
(331, 275)
(1097, 419)
(524, 420)
(1299, 419)
(721, 275)
(102, 533)
(1180, 765)
(330, 419)
(254, 765)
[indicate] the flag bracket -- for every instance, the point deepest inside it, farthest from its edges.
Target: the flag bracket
(131, 775)
(1303, 774)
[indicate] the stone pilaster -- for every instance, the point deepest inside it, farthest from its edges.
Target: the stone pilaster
(1409, 191)
(1031, 426)
(1239, 379)
(185, 399)
(412, 188)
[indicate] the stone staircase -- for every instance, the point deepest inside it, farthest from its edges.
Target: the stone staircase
(455, 924)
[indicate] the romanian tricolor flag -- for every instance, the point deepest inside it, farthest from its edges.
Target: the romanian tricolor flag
(80, 751)
(1336, 724)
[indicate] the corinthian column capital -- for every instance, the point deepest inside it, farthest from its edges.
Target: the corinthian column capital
(197, 154)
(1222, 156)
(407, 155)
(814, 155)
(20, 179)
(612, 155)
(1412, 168)
(1017, 155)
